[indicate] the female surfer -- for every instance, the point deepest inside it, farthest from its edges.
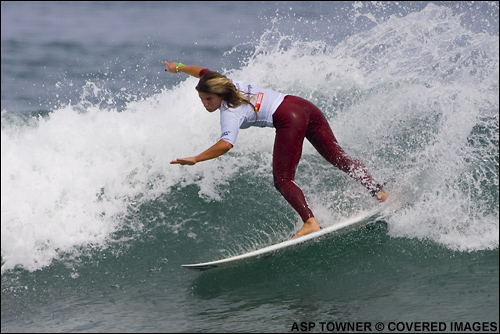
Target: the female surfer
(243, 105)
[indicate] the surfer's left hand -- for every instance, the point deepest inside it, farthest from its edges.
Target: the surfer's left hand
(171, 67)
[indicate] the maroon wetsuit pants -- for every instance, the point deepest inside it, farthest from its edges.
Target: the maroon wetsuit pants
(294, 120)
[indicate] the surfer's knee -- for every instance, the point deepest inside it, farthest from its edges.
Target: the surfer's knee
(281, 184)
(277, 183)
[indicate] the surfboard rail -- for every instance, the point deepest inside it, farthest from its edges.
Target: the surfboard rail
(343, 226)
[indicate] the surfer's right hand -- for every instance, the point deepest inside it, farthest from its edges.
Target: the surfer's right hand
(185, 161)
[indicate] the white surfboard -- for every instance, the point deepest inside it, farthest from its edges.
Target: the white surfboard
(341, 227)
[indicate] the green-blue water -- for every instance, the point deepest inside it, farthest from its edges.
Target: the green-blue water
(96, 223)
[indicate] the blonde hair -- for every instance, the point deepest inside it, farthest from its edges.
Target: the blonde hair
(216, 83)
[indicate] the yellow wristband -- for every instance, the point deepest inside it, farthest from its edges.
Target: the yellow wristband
(178, 66)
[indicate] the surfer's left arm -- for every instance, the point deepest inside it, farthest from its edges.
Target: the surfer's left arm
(192, 70)
(220, 148)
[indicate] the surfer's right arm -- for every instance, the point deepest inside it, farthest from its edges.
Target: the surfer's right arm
(220, 148)
(192, 70)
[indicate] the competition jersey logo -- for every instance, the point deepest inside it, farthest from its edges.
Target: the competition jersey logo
(255, 101)
(260, 96)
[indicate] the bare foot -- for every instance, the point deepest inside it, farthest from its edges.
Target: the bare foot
(381, 196)
(311, 225)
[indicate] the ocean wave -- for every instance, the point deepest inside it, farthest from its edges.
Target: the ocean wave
(415, 97)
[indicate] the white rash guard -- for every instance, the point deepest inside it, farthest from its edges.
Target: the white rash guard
(266, 102)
